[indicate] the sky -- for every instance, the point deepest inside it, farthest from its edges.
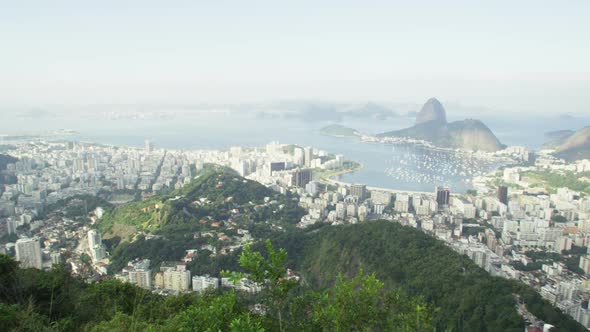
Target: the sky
(513, 56)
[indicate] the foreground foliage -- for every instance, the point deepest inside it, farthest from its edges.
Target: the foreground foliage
(33, 300)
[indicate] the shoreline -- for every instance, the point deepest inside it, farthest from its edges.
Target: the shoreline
(393, 191)
(332, 181)
(329, 177)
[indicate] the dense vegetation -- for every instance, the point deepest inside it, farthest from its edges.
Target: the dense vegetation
(339, 131)
(78, 206)
(468, 298)
(212, 194)
(32, 300)
(218, 199)
(5, 160)
(4, 177)
(553, 180)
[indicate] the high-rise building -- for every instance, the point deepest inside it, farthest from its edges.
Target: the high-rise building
(381, 197)
(402, 203)
(363, 211)
(97, 250)
(585, 264)
(301, 177)
(55, 258)
(567, 290)
(582, 314)
(149, 146)
(308, 156)
(141, 277)
(341, 211)
(139, 273)
(121, 182)
(11, 226)
(177, 278)
(298, 157)
(92, 164)
(277, 166)
(442, 197)
(503, 194)
(28, 253)
(378, 208)
(94, 238)
(359, 191)
(274, 148)
(79, 165)
(312, 188)
(235, 151)
(351, 210)
(202, 283)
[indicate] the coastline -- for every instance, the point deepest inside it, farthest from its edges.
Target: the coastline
(393, 191)
(329, 179)
(329, 175)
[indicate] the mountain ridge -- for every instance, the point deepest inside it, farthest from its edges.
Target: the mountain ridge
(404, 257)
(431, 126)
(432, 110)
(576, 146)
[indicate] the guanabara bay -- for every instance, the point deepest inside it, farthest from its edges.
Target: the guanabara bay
(294, 166)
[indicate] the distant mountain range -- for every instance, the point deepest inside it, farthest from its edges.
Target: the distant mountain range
(574, 146)
(325, 111)
(431, 125)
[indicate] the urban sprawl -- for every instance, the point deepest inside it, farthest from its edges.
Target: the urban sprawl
(514, 224)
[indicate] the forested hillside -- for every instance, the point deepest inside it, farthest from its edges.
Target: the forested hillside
(5, 160)
(217, 200)
(468, 298)
(6, 178)
(33, 300)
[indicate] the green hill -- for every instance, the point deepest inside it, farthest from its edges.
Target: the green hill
(556, 138)
(468, 298)
(217, 199)
(4, 177)
(212, 193)
(337, 130)
(5, 160)
(576, 146)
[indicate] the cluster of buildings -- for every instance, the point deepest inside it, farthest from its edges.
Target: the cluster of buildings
(64, 172)
(175, 278)
(497, 226)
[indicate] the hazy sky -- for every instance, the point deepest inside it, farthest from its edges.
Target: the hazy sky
(512, 55)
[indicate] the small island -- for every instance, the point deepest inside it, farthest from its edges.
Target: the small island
(337, 130)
